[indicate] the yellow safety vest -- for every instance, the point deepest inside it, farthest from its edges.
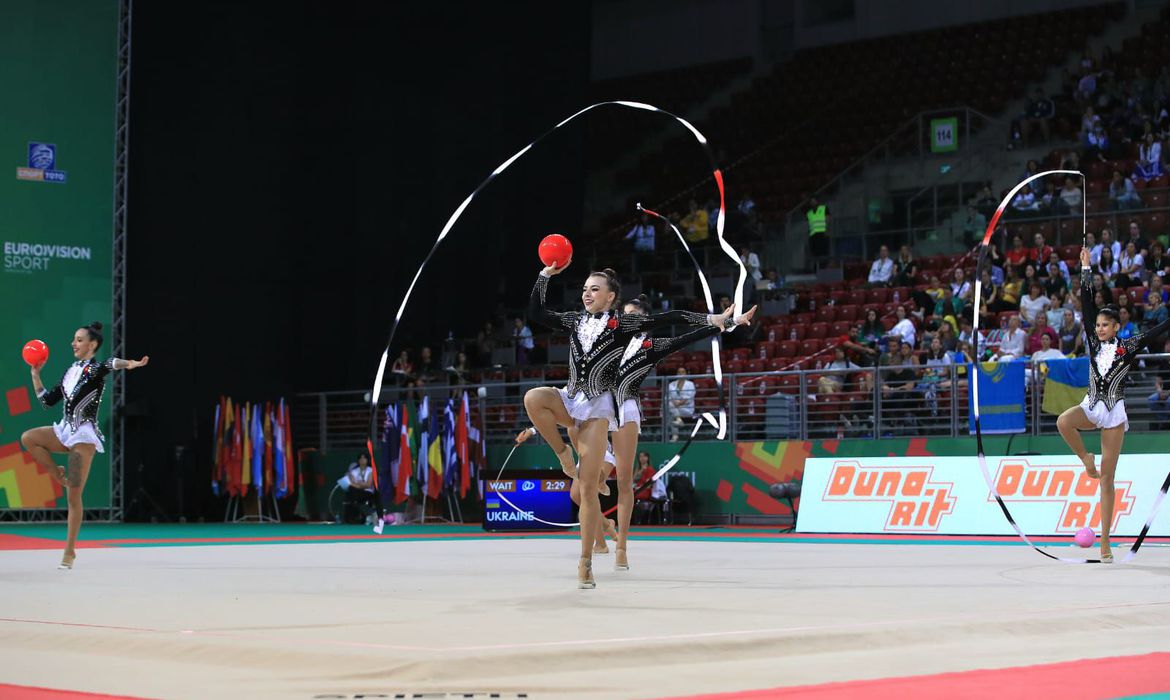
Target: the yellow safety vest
(816, 221)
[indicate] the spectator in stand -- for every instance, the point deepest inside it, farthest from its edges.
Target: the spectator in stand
(1061, 266)
(747, 209)
(1124, 302)
(643, 235)
(1039, 112)
(1055, 281)
(1039, 254)
(1157, 289)
(680, 401)
(1070, 333)
(1128, 327)
(752, 262)
(1034, 303)
(898, 384)
(522, 337)
(1159, 401)
(872, 329)
(695, 224)
(991, 291)
(882, 270)
(1011, 291)
(1156, 311)
(974, 227)
(1071, 197)
(485, 343)
(1122, 193)
(1017, 255)
(1107, 241)
(1095, 145)
(905, 269)
(1158, 263)
(1012, 346)
(460, 371)
(835, 381)
(947, 336)
(1089, 121)
(1107, 267)
(1025, 201)
(1149, 163)
(427, 369)
(1135, 237)
(960, 287)
(402, 370)
(1131, 271)
(949, 309)
(818, 228)
(1049, 201)
(903, 330)
(1059, 304)
(1041, 329)
(771, 280)
(1046, 351)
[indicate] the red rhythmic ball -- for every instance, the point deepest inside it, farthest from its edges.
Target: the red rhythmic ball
(555, 250)
(35, 353)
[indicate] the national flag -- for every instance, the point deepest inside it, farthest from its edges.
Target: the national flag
(246, 447)
(1001, 397)
(280, 458)
(390, 439)
(217, 446)
(257, 432)
(405, 460)
(290, 457)
(269, 465)
(462, 451)
(450, 461)
(1065, 384)
(424, 445)
(435, 456)
(235, 466)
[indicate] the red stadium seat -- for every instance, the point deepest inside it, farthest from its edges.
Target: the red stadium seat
(842, 327)
(741, 354)
(877, 295)
(810, 346)
(777, 332)
(818, 330)
(805, 317)
(849, 312)
(787, 348)
(765, 350)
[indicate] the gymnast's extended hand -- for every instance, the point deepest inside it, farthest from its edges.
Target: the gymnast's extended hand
(554, 270)
(726, 320)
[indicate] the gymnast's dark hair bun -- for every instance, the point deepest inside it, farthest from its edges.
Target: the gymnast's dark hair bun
(95, 332)
(642, 302)
(611, 281)
(1110, 312)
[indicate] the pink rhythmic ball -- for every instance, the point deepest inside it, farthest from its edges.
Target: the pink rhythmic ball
(1085, 537)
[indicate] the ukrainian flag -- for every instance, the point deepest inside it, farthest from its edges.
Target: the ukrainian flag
(1065, 384)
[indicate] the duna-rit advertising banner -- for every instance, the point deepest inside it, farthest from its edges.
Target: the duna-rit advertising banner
(58, 64)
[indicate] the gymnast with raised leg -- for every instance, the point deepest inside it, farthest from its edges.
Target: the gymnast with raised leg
(598, 335)
(76, 434)
(1110, 360)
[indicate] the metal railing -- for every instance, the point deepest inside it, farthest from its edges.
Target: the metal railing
(855, 403)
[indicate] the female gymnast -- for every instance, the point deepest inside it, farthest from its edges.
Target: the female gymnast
(598, 335)
(1103, 408)
(77, 432)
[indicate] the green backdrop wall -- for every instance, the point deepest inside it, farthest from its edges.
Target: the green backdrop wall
(58, 64)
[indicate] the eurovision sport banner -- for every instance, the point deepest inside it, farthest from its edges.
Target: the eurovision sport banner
(1047, 495)
(56, 224)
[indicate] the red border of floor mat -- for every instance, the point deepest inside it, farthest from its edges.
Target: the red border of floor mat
(28, 692)
(1086, 679)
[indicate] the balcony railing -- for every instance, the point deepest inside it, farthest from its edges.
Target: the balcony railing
(796, 405)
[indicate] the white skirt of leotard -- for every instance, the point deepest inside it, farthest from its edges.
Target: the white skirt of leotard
(1102, 417)
(581, 409)
(84, 434)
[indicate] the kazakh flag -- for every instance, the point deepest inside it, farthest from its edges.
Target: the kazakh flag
(1065, 384)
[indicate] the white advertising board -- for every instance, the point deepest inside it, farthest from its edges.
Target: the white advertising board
(1047, 495)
